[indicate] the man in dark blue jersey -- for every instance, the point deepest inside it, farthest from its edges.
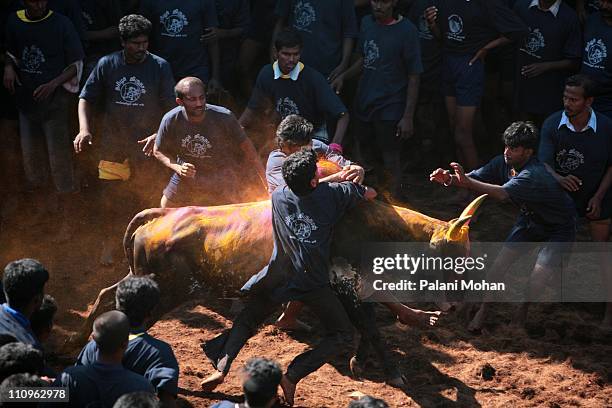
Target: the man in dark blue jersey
(547, 212)
(152, 358)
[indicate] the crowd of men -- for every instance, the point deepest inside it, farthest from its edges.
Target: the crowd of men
(126, 83)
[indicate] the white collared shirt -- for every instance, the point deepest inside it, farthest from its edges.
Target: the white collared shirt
(592, 123)
(554, 9)
(293, 74)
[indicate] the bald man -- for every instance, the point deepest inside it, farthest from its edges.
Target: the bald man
(211, 156)
(104, 381)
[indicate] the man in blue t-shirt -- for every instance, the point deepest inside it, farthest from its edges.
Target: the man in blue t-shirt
(576, 146)
(42, 69)
(178, 27)
(597, 59)
(328, 29)
(291, 88)
(133, 88)
(152, 358)
(304, 214)
(104, 381)
(547, 212)
(550, 52)
(387, 94)
(208, 152)
(469, 29)
(24, 283)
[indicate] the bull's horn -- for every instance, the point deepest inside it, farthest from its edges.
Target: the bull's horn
(473, 206)
(455, 227)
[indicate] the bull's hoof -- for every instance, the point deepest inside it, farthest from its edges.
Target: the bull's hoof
(356, 368)
(397, 382)
(293, 326)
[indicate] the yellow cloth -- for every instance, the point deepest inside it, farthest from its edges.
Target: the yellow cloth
(108, 170)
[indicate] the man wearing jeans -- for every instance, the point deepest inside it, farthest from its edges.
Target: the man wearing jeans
(303, 217)
(45, 57)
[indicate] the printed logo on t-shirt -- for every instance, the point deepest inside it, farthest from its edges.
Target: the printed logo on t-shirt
(87, 17)
(31, 59)
(130, 90)
(286, 106)
(595, 53)
(196, 146)
(302, 226)
(370, 54)
(534, 42)
(569, 161)
(455, 28)
(424, 31)
(303, 15)
(173, 23)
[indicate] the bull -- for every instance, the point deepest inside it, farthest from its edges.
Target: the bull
(223, 246)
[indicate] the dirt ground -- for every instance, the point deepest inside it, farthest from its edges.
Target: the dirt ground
(562, 360)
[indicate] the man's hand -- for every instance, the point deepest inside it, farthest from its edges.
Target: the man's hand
(594, 208)
(44, 91)
(440, 176)
(81, 140)
(214, 86)
(481, 54)
(431, 15)
(337, 84)
(10, 78)
(570, 182)
(336, 72)
(353, 173)
(210, 35)
(534, 70)
(460, 178)
(186, 170)
(149, 143)
(405, 128)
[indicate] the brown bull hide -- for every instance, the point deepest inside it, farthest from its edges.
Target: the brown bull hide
(223, 246)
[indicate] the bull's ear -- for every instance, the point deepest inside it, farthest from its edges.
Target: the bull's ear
(454, 228)
(473, 206)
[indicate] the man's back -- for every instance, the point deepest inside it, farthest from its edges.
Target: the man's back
(100, 384)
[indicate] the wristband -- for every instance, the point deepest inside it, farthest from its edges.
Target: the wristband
(336, 148)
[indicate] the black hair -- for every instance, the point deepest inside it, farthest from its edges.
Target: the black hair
(18, 358)
(23, 280)
(132, 26)
(20, 380)
(299, 169)
(42, 319)
(261, 382)
(6, 338)
(185, 83)
(111, 331)
(584, 82)
(137, 296)
(294, 130)
(368, 402)
(288, 38)
(140, 399)
(521, 134)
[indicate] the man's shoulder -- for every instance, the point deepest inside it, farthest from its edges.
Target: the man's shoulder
(154, 346)
(552, 121)
(218, 109)
(114, 58)
(157, 60)
(367, 21)
(275, 159)
(593, 20)
(173, 114)
(311, 75)
(567, 13)
(604, 123)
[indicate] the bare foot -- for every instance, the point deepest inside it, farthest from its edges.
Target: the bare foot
(356, 368)
(477, 322)
(212, 381)
(288, 390)
(416, 317)
(287, 324)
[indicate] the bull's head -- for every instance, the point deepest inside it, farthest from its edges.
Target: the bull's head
(453, 238)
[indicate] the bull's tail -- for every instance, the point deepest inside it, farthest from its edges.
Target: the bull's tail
(139, 220)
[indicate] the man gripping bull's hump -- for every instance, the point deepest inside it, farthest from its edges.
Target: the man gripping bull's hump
(198, 141)
(304, 213)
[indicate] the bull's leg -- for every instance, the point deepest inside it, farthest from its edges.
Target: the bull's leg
(104, 302)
